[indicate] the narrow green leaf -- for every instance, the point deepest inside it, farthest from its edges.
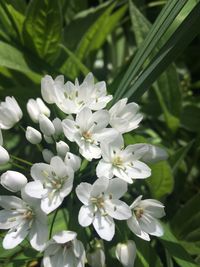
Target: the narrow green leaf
(179, 155)
(172, 48)
(162, 23)
(76, 60)
(42, 28)
(161, 181)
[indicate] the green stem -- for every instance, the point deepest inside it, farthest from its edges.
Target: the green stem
(21, 160)
(52, 223)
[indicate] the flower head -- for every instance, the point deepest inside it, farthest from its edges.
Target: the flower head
(102, 204)
(122, 163)
(24, 218)
(37, 107)
(64, 250)
(52, 183)
(88, 130)
(145, 215)
(125, 117)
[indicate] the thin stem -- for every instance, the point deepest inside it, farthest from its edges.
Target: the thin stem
(52, 223)
(21, 160)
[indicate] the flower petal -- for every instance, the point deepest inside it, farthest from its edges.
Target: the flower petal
(38, 235)
(117, 209)
(83, 192)
(105, 226)
(16, 235)
(99, 186)
(117, 188)
(86, 215)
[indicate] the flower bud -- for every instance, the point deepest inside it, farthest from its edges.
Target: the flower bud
(46, 126)
(62, 148)
(126, 253)
(37, 107)
(47, 155)
(96, 258)
(58, 126)
(10, 113)
(13, 181)
(4, 156)
(33, 135)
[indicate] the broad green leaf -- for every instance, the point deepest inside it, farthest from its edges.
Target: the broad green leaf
(16, 18)
(190, 117)
(42, 28)
(162, 23)
(161, 181)
(171, 49)
(176, 251)
(12, 58)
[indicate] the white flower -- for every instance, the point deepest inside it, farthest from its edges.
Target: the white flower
(52, 183)
(47, 155)
(145, 215)
(46, 126)
(58, 127)
(71, 98)
(96, 258)
(122, 163)
(62, 148)
(33, 135)
(126, 253)
(10, 113)
(35, 108)
(4, 156)
(24, 218)
(64, 250)
(50, 89)
(102, 204)
(88, 130)
(13, 181)
(125, 117)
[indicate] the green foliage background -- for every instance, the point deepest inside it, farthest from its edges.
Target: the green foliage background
(148, 51)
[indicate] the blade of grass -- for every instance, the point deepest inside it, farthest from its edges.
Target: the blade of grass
(162, 23)
(172, 48)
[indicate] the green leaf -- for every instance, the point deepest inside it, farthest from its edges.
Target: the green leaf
(190, 214)
(94, 37)
(76, 60)
(167, 87)
(42, 28)
(161, 181)
(179, 155)
(172, 48)
(162, 23)
(12, 58)
(190, 118)
(176, 251)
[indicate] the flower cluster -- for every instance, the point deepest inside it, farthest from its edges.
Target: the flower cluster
(86, 136)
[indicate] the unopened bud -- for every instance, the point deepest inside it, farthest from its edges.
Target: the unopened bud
(13, 181)
(33, 135)
(126, 253)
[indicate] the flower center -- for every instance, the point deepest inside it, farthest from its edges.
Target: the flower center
(98, 202)
(28, 215)
(117, 161)
(87, 136)
(138, 212)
